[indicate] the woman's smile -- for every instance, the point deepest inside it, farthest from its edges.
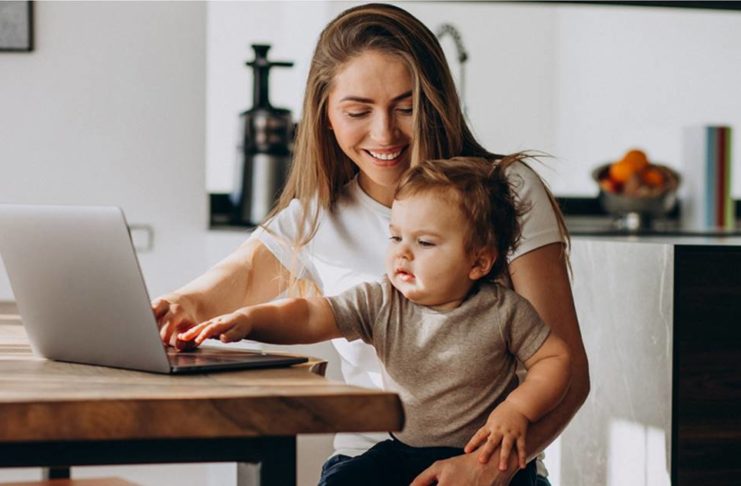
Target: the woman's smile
(386, 157)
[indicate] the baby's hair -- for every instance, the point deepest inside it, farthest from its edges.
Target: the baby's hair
(484, 195)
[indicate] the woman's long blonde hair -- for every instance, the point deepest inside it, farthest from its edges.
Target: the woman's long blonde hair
(320, 169)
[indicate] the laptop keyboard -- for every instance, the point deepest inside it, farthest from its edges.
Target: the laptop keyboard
(205, 357)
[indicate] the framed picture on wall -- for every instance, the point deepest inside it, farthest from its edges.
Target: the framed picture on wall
(16, 26)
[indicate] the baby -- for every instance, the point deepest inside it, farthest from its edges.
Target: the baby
(449, 336)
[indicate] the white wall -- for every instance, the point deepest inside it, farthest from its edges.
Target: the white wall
(110, 109)
(583, 83)
(635, 77)
(509, 87)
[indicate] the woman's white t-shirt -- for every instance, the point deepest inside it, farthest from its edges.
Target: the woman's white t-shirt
(349, 248)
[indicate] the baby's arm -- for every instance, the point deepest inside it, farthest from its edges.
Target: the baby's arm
(547, 379)
(546, 383)
(289, 321)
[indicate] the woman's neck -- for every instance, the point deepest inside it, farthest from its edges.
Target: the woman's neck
(381, 194)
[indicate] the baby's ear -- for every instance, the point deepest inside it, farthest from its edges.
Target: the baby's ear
(482, 264)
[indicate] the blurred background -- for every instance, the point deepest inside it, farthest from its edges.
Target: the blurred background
(137, 104)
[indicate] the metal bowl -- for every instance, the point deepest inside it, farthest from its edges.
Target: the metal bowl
(644, 208)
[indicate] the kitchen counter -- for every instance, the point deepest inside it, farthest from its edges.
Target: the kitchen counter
(659, 317)
(604, 225)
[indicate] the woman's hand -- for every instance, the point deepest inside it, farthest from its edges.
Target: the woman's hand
(174, 315)
(228, 328)
(467, 470)
(249, 275)
(505, 426)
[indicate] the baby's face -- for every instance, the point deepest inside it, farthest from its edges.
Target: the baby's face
(426, 259)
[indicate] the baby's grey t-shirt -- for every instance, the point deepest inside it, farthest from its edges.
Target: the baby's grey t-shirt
(450, 368)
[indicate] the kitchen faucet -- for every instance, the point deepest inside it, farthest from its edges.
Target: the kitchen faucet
(449, 29)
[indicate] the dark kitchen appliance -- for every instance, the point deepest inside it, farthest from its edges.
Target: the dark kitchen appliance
(267, 138)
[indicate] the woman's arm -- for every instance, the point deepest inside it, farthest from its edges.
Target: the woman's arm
(249, 275)
(541, 276)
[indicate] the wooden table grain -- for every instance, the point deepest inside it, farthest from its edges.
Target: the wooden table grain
(56, 414)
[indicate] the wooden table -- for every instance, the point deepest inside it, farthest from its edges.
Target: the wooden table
(56, 414)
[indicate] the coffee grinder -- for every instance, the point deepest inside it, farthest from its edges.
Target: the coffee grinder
(267, 139)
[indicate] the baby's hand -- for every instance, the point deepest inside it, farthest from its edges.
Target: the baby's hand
(227, 328)
(507, 426)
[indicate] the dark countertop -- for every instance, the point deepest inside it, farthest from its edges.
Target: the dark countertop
(607, 226)
(584, 217)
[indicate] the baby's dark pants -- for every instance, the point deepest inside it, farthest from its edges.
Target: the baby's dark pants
(392, 462)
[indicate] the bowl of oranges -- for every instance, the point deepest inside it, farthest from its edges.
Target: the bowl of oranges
(636, 185)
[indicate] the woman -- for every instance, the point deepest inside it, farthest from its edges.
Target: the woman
(379, 98)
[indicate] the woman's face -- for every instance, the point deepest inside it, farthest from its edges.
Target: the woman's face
(370, 113)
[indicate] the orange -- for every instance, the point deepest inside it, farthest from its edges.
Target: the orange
(653, 177)
(633, 162)
(621, 172)
(609, 185)
(636, 159)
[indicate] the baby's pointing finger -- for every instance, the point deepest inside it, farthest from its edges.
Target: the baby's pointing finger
(213, 329)
(192, 332)
(197, 333)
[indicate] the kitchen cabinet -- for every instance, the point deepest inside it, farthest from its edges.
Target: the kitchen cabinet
(659, 319)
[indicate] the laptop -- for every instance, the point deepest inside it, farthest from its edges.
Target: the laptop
(82, 298)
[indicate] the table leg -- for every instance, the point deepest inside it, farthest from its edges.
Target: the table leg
(277, 464)
(55, 473)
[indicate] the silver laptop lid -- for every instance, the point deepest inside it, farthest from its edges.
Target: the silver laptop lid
(78, 286)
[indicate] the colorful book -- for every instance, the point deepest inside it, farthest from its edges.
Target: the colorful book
(730, 212)
(707, 202)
